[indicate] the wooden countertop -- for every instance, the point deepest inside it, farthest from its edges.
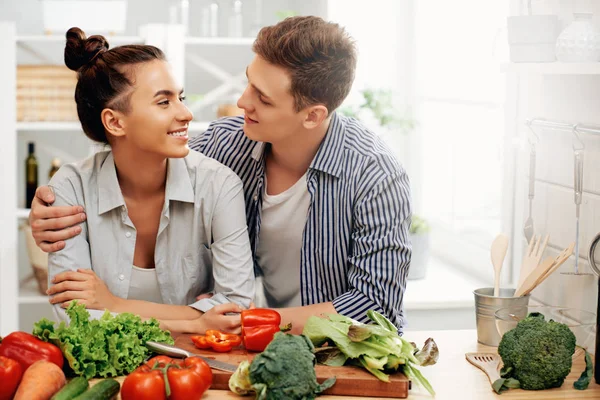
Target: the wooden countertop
(454, 378)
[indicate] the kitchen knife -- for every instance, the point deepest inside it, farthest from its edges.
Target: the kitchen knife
(172, 351)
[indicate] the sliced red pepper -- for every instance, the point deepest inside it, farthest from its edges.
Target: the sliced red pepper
(222, 342)
(200, 342)
(26, 349)
(10, 376)
(216, 340)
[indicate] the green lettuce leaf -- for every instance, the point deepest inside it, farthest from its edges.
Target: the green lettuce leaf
(376, 347)
(586, 376)
(109, 346)
(320, 330)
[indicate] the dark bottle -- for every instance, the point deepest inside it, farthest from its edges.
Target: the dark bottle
(31, 175)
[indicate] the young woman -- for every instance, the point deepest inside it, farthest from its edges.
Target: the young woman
(163, 224)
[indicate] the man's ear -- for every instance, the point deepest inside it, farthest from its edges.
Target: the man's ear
(113, 122)
(315, 116)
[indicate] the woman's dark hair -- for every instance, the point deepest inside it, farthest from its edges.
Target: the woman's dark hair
(104, 76)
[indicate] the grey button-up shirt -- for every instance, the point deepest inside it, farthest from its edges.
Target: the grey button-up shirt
(202, 243)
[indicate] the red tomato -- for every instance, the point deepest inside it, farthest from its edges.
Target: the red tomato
(191, 380)
(159, 361)
(188, 379)
(10, 376)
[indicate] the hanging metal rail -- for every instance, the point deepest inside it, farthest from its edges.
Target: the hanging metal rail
(580, 128)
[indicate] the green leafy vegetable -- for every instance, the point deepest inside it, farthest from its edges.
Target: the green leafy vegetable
(331, 356)
(428, 355)
(376, 347)
(109, 346)
(586, 376)
(503, 384)
(537, 353)
(382, 321)
(284, 371)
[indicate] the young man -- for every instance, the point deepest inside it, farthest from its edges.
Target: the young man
(327, 204)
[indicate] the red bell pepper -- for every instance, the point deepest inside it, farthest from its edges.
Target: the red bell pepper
(256, 338)
(26, 349)
(260, 316)
(10, 376)
(259, 325)
(216, 340)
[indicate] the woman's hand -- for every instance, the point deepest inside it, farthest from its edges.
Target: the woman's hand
(215, 318)
(84, 286)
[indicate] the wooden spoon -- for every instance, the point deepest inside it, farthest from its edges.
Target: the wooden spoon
(499, 247)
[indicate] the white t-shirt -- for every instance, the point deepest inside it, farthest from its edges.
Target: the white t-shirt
(279, 245)
(144, 285)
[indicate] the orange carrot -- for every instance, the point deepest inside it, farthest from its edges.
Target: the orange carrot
(40, 381)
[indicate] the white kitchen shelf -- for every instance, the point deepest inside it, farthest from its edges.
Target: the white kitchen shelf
(121, 40)
(112, 40)
(30, 294)
(53, 126)
(553, 68)
(220, 41)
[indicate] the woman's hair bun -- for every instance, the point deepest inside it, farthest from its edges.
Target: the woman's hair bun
(80, 51)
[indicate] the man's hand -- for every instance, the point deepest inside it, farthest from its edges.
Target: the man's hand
(50, 226)
(84, 286)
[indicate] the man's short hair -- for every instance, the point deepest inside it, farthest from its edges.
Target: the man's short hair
(320, 57)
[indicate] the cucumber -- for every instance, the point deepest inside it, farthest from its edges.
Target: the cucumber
(104, 390)
(72, 389)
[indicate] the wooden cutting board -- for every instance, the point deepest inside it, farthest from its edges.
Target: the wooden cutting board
(350, 381)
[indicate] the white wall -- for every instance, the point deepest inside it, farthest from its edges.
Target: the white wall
(574, 99)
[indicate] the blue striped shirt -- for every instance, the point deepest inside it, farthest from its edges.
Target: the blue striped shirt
(356, 250)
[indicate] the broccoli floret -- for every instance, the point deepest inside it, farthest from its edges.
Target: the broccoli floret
(539, 352)
(511, 338)
(285, 370)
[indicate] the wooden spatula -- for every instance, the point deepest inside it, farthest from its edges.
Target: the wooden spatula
(560, 259)
(530, 281)
(532, 257)
(543, 271)
(487, 362)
